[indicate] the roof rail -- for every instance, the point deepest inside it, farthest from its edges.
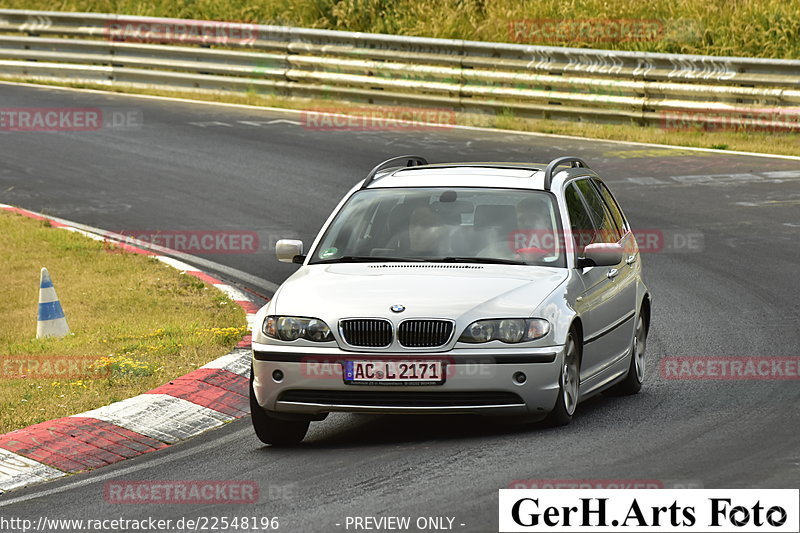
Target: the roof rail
(573, 162)
(408, 160)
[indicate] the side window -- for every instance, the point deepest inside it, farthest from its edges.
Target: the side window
(608, 231)
(613, 206)
(582, 227)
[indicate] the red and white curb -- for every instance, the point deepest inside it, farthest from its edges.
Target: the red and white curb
(185, 407)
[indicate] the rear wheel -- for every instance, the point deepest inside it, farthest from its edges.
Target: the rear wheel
(633, 381)
(272, 430)
(569, 384)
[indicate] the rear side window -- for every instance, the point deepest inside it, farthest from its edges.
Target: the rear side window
(608, 230)
(613, 206)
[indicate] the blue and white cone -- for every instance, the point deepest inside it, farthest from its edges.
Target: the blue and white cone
(52, 322)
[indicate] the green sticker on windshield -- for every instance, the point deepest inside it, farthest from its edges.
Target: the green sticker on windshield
(328, 253)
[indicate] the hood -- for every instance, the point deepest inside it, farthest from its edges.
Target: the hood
(430, 290)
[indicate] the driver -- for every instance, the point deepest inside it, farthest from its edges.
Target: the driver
(534, 233)
(424, 232)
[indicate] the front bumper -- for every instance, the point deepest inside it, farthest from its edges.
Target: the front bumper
(477, 382)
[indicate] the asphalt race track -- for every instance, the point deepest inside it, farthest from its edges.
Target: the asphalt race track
(724, 284)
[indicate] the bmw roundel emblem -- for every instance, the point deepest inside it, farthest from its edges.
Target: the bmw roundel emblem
(397, 308)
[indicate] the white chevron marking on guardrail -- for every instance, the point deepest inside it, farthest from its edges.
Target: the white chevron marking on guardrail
(36, 23)
(665, 90)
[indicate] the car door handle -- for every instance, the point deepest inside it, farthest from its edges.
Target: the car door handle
(631, 259)
(612, 273)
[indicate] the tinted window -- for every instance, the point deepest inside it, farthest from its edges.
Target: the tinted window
(445, 224)
(608, 231)
(613, 207)
(581, 224)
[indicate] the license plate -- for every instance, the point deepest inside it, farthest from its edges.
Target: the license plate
(394, 372)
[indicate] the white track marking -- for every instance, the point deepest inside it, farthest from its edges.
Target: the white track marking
(713, 179)
(160, 416)
(175, 263)
(232, 292)
(98, 476)
(17, 471)
(237, 362)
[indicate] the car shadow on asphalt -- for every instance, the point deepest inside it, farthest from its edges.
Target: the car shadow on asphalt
(367, 430)
(342, 430)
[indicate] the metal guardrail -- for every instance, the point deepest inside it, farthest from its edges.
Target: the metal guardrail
(540, 81)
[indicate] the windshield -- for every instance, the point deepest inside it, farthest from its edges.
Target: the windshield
(508, 226)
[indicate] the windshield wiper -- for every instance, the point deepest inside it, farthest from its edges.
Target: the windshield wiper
(489, 260)
(366, 259)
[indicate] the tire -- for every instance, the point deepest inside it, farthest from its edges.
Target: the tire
(635, 376)
(568, 384)
(272, 430)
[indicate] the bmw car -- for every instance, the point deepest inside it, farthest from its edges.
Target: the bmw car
(501, 289)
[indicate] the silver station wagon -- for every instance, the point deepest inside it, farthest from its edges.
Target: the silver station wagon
(481, 288)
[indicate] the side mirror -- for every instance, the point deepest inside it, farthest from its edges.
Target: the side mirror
(289, 251)
(601, 254)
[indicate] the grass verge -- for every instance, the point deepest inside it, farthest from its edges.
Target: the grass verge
(745, 141)
(750, 28)
(136, 323)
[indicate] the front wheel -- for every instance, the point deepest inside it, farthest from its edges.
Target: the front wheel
(271, 430)
(569, 384)
(633, 381)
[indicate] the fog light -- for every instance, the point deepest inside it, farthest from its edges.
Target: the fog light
(519, 377)
(277, 376)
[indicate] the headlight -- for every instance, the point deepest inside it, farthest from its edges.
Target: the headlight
(290, 328)
(481, 331)
(508, 330)
(511, 330)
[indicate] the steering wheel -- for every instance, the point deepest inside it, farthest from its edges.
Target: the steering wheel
(531, 250)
